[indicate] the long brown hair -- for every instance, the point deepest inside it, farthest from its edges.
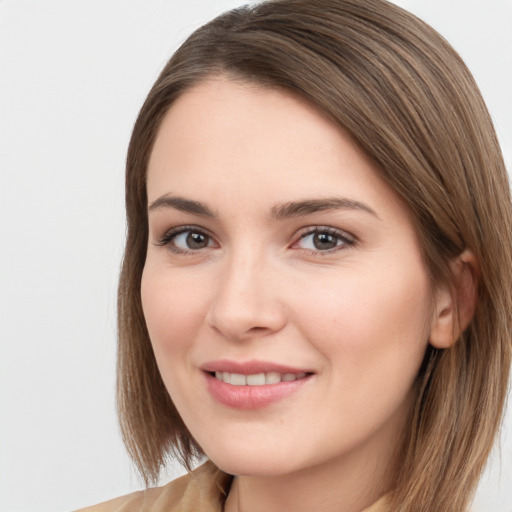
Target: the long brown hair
(408, 100)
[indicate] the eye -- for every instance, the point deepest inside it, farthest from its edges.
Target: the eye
(191, 240)
(324, 240)
(186, 239)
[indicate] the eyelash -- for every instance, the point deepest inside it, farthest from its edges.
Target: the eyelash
(345, 239)
(170, 235)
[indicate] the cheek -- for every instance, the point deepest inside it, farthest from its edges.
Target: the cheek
(174, 309)
(370, 326)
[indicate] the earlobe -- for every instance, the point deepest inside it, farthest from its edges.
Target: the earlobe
(455, 305)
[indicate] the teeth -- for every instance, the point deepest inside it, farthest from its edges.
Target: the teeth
(238, 379)
(272, 378)
(257, 379)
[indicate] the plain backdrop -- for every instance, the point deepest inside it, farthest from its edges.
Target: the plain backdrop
(73, 74)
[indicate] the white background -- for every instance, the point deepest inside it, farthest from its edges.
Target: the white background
(73, 74)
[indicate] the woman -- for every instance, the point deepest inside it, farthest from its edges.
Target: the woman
(316, 290)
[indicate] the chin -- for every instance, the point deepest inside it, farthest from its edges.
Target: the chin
(255, 462)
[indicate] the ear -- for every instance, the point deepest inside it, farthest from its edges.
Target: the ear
(455, 304)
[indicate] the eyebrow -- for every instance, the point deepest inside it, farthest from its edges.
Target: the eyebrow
(278, 212)
(309, 206)
(182, 204)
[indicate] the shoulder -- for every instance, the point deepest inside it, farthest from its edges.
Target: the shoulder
(203, 489)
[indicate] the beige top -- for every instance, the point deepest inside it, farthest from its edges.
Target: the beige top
(203, 490)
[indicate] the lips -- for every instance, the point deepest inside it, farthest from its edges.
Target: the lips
(254, 384)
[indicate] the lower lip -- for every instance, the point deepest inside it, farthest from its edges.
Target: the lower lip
(252, 397)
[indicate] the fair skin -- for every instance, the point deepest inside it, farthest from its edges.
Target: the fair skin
(275, 248)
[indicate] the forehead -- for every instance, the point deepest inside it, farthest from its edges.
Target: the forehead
(222, 131)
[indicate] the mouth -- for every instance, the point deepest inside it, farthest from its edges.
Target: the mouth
(257, 379)
(254, 384)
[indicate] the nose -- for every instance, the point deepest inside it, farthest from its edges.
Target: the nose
(247, 301)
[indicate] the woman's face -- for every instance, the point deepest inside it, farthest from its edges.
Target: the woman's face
(284, 290)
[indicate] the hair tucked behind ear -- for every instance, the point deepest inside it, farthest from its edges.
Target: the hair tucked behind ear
(408, 100)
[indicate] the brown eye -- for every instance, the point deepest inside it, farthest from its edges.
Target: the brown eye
(196, 240)
(324, 240)
(182, 240)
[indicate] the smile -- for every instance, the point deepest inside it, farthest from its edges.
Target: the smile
(257, 379)
(254, 384)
